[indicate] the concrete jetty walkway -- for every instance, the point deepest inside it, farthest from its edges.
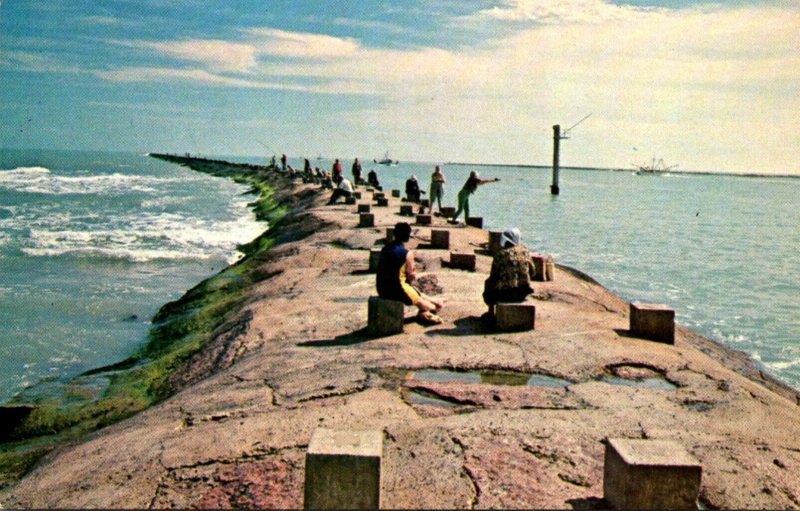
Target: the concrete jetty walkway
(471, 417)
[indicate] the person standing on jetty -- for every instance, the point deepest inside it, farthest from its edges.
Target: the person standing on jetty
(336, 171)
(357, 179)
(472, 184)
(437, 187)
(395, 273)
(283, 162)
(510, 277)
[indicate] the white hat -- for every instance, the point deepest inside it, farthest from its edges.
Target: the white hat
(510, 236)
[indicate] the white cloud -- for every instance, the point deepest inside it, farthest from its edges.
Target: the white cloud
(280, 43)
(200, 76)
(555, 12)
(218, 55)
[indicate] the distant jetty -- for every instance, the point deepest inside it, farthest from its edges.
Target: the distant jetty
(255, 360)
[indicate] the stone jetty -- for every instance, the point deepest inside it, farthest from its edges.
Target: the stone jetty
(470, 416)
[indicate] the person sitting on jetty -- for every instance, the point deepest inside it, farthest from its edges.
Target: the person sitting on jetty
(327, 182)
(412, 189)
(343, 189)
(472, 184)
(437, 187)
(395, 273)
(372, 179)
(510, 277)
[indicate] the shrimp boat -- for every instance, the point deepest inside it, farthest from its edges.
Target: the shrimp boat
(655, 167)
(386, 160)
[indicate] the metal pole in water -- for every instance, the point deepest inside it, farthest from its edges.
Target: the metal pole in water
(556, 144)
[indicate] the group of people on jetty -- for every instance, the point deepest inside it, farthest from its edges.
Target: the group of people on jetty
(512, 267)
(509, 279)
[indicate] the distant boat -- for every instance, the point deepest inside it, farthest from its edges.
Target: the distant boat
(386, 160)
(654, 167)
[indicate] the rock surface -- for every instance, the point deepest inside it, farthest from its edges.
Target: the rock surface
(479, 432)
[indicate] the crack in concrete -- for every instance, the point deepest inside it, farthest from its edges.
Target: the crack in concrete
(232, 461)
(476, 490)
(164, 474)
(334, 393)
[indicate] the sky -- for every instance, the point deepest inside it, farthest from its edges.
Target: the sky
(705, 86)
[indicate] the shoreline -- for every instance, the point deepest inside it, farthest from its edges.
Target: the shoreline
(228, 366)
(617, 169)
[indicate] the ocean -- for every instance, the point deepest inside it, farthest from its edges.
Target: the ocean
(92, 244)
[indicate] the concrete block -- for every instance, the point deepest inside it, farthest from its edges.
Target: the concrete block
(378, 195)
(540, 265)
(374, 256)
(424, 219)
(350, 200)
(366, 220)
(653, 321)
(494, 242)
(343, 470)
(357, 195)
(383, 202)
(448, 211)
(395, 193)
(475, 221)
(440, 238)
(406, 210)
(363, 208)
(462, 261)
(650, 474)
(515, 317)
(11, 417)
(389, 234)
(384, 317)
(425, 203)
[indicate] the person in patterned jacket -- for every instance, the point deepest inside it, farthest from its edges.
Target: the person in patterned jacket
(510, 277)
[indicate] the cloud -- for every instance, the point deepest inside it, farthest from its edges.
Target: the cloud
(202, 77)
(34, 62)
(554, 12)
(217, 55)
(280, 43)
(382, 26)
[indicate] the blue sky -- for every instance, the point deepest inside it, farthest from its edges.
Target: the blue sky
(707, 86)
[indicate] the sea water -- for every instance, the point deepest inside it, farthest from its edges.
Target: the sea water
(722, 250)
(92, 244)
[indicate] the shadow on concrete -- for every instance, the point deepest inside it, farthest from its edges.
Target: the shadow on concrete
(362, 272)
(624, 332)
(357, 337)
(469, 325)
(588, 503)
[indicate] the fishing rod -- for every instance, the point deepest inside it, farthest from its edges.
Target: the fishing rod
(565, 133)
(265, 146)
